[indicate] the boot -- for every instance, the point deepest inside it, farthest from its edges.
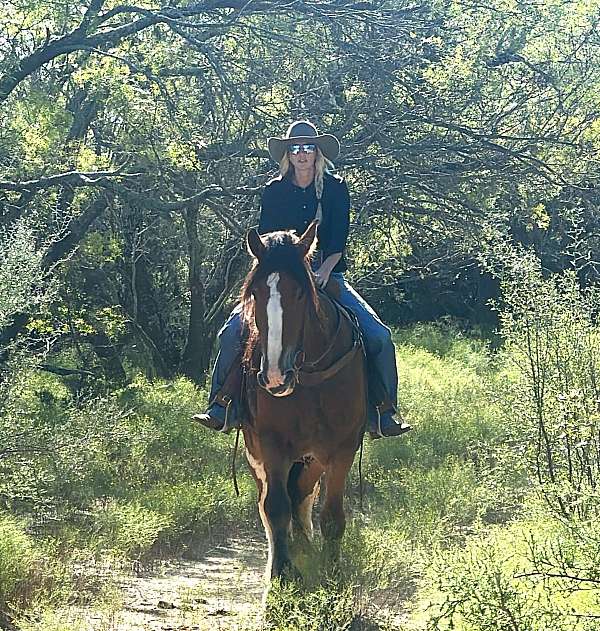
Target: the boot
(223, 412)
(383, 424)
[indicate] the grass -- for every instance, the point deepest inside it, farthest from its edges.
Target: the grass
(149, 483)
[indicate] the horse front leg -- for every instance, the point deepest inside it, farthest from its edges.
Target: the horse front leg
(303, 488)
(333, 518)
(275, 511)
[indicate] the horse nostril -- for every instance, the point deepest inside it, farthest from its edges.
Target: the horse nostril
(261, 379)
(289, 377)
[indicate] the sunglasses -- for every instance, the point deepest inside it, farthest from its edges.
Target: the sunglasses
(296, 149)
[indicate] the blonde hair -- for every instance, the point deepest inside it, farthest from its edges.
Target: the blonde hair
(322, 165)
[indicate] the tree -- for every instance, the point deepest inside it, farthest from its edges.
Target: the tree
(136, 134)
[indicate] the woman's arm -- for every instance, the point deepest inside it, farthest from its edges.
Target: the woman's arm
(340, 218)
(270, 218)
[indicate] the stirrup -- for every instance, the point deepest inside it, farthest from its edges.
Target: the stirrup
(228, 401)
(400, 428)
(214, 422)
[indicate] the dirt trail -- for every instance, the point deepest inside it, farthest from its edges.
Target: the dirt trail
(222, 591)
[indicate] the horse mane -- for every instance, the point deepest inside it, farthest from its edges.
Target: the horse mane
(281, 254)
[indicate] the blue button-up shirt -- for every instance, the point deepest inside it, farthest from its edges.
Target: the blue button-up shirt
(285, 206)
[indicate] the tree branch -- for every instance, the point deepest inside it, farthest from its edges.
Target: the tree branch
(72, 178)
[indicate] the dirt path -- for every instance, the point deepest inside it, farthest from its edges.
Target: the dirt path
(222, 591)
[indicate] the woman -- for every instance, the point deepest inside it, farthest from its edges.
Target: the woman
(305, 189)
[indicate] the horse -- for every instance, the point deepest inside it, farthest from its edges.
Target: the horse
(307, 396)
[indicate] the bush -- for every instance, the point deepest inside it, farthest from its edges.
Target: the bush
(552, 337)
(77, 462)
(128, 529)
(327, 607)
(18, 556)
(531, 575)
(31, 570)
(201, 507)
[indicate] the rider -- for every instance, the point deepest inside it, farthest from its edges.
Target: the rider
(303, 190)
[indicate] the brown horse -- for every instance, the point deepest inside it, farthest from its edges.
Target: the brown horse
(307, 400)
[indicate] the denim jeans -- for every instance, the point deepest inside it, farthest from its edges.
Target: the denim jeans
(377, 337)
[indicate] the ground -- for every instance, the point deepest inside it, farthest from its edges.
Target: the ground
(221, 591)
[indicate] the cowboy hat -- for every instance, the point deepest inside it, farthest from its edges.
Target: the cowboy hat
(303, 132)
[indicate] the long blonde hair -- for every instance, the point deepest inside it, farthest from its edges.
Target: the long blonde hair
(322, 165)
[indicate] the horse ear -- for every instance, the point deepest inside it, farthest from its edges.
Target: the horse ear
(307, 240)
(256, 247)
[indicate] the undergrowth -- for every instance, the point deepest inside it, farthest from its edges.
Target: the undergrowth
(444, 532)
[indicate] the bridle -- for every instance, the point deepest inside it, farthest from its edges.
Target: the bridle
(306, 373)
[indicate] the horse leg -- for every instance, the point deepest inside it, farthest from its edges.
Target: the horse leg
(333, 519)
(275, 511)
(303, 489)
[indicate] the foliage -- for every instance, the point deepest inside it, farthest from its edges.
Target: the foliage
(131, 159)
(33, 570)
(18, 554)
(138, 157)
(438, 500)
(129, 529)
(291, 608)
(21, 286)
(454, 468)
(104, 464)
(517, 578)
(553, 338)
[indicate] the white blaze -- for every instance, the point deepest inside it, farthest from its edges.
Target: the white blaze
(275, 330)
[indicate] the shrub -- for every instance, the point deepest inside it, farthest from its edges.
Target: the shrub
(200, 507)
(129, 529)
(18, 556)
(531, 575)
(327, 607)
(554, 341)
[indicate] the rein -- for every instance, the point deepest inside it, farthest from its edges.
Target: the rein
(306, 373)
(233, 467)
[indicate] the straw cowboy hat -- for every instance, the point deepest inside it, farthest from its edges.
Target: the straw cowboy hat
(303, 132)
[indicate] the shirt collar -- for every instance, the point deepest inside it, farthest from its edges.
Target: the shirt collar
(288, 179)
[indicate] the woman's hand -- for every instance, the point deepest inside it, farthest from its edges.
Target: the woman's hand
(323, 273)
(322, 276)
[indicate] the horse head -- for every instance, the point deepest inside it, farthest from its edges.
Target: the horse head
(278, 293)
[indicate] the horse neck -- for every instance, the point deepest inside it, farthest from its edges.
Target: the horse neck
(318, 333)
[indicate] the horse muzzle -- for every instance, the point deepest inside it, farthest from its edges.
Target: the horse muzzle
(278, 389)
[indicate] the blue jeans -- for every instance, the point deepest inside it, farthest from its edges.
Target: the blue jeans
(381, 356)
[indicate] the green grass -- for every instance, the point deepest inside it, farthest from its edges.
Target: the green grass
(18, 556)
(517, 577)
(131, 478)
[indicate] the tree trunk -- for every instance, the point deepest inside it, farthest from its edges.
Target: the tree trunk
(197, 352)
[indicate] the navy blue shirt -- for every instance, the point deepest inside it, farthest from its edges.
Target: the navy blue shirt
(285, 206)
